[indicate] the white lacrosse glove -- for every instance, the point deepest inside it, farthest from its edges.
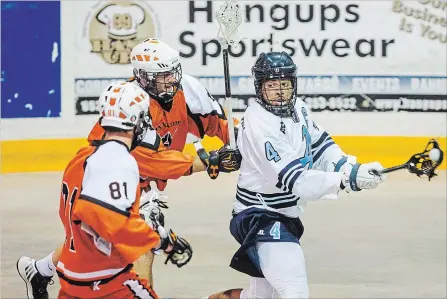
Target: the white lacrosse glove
(359, 176)
(345, 164)
(363, 176)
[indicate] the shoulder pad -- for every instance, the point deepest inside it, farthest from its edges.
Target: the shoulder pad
(256, 118)
(197, 97)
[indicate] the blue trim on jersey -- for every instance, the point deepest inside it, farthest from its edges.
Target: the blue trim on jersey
(293, 179)
(321, 145)
(322, 149)
(340, 163)
(292, 175)
(320, 140)
(273, 200)
(353, 177)
(265, 195)
(290, 170)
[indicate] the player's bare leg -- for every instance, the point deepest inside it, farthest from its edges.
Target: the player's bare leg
(144, 267)
(56, 255)
(150, 206)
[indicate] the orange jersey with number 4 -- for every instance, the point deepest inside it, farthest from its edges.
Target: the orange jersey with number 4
(194, 111)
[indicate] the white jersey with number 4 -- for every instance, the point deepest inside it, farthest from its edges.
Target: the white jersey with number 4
(285, 162)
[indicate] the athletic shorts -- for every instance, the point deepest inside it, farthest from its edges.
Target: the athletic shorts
(259, 225)
(125, 286)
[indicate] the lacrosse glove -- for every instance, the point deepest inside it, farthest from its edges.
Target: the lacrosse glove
(225, 160)
(229, 159)
(181, 252)
(357, 177)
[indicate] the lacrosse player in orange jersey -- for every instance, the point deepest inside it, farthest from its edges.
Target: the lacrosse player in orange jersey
(99, 208)
(180, 105)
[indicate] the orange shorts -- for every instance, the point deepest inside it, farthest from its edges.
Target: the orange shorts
(126, 286)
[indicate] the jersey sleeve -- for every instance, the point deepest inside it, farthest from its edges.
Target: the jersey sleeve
(326, 154)
(274, 157)
(154, 160)
(105, 204)
(164, 164)
(210, 125)
(205, 115)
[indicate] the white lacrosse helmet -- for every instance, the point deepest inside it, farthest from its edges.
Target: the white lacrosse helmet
(125, 106)
(157, 69)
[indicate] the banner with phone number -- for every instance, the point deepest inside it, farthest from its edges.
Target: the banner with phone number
(320, 93)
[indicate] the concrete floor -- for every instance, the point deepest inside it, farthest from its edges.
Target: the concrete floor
(385, 243)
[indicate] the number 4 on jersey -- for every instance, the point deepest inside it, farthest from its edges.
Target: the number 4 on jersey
(275, 231)
(271, 153)
(307, 158)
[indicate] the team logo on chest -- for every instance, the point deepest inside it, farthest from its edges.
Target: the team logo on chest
(167, 139)
(166, 125)
(283, 128)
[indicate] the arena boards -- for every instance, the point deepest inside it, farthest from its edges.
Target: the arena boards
(54, 154)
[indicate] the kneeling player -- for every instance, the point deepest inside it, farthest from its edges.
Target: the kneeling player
(287, 160)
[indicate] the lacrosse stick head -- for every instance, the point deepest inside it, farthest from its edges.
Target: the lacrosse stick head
(229, 17)
(150, 208)
(426, 162)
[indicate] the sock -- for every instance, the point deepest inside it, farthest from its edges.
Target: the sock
(45, 266)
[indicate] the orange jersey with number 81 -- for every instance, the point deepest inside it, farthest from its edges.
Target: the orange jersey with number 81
(99, 206)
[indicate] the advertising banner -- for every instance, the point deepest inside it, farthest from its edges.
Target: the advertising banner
(386, 56)
(321, 93)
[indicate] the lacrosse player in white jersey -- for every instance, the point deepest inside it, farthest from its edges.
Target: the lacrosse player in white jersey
(287, 160)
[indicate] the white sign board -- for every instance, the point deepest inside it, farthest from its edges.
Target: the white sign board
(387, 47)
(390, 37)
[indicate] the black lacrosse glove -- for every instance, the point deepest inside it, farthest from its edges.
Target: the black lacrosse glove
(181, 252)
(229, 159)
(210, 160)
(213, 166)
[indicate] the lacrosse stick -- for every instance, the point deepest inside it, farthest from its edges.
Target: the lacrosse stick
(154, 199)
(151, 205)
(150, 210)
(423, 163)
(229, 18)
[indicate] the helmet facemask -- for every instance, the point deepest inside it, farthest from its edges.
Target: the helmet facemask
(161, 86)
(277, 95)
(276, 83)
(140, 129)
